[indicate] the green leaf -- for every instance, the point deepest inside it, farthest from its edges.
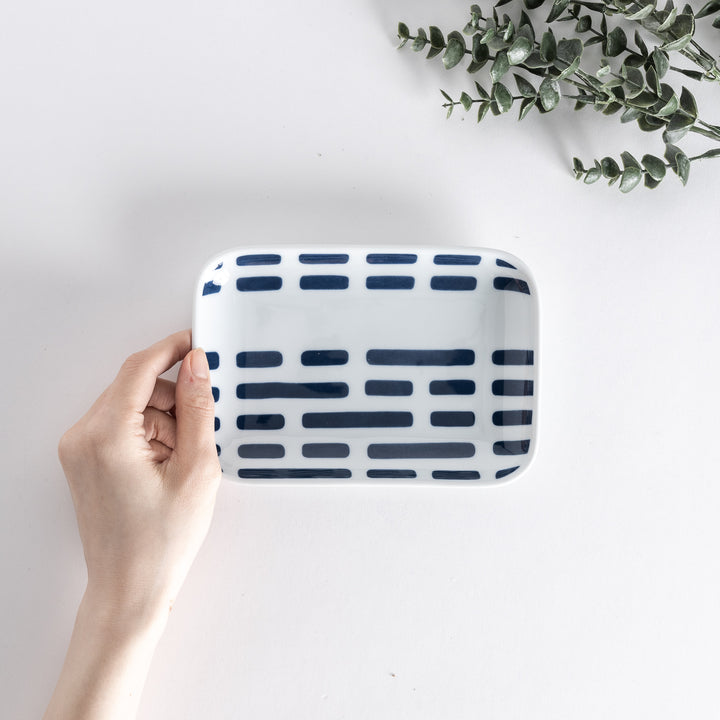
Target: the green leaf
(519, 50)
(612, 108)
(455, 51)
(682, 29)
(709, 8)
(592, 175)
(533, 4)
(642, 13)
(557, 10)
(549, 92)
(716, 22)
(568, 50)
(670, 152)
(548, 46)
(527, 31)
(502, 97)
(669, 20)
(433, 51)
(647, 123)
(446, 96)
(683, 167)
(536, 62)
(466, 101)
(603, 70)
(594, 84)
(634, 81)
(677, 128)
(500, 66)
(655, 167)
(481, 91)
(525, 107)
(420, 40)
(610, 168)
(629, 161)
(705, 63)
(630, 114)
(403, 33)
(615, 42)
(449, 111)
(482, 110)
(584, 99)
(679, 162)
(650, 182)
(693, 74)
(488, 35)
(661, 61)
(668, 103)
(524, 87)
(569, 53)
(687, 102)
(645, 99)
(526, 28)
(578, 167)
(629, 179)
(570, 69)
(583, 24)
(509, 32)
(480, 51)
(437, 39)
(612, 82)
(652, 80)
(641, 46)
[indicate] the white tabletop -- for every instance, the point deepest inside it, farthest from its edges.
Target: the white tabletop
(139, 140)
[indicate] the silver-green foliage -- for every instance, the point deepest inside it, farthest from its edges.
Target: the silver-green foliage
(631, 79)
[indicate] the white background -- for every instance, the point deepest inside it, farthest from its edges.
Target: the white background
(138, 139)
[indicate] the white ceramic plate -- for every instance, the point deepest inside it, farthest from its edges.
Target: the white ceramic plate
(373, 364)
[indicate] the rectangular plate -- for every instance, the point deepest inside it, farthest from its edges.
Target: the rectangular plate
(370, 364)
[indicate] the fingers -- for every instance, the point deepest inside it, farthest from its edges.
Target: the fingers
(135, 383)
(195, 411)
(163, 395)
(159, 426)
(159, 452)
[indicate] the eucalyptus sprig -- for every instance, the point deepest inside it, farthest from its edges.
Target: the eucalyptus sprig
(631, 79)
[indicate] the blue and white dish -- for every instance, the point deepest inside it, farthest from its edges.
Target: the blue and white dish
(372, 364)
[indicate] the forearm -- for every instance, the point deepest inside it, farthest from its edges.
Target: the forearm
(143, 473)
(107, 661)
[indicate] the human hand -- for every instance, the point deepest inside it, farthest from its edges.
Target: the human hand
(143, 474)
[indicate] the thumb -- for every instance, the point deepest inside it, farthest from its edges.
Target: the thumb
(194, 409)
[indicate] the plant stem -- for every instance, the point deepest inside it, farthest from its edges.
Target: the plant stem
(713, 73)
(706, 133)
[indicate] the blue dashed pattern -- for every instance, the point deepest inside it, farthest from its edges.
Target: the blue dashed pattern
(334, 391)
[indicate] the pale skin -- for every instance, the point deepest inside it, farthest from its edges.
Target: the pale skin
(143, 474)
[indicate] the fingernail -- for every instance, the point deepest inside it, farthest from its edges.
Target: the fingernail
(199, 364)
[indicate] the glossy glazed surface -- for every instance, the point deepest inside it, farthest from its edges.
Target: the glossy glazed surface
(373, 364)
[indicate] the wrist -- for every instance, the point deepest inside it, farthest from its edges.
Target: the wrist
(111, 648)
(124, 613)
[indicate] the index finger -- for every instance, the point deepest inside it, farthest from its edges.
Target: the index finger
(135, 382)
